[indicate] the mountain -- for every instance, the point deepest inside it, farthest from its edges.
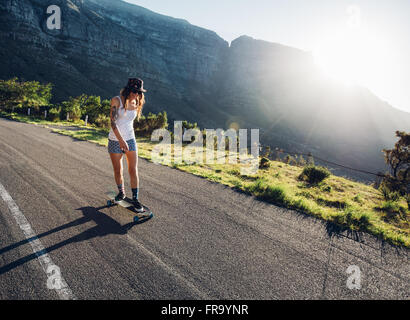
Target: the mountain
(282, 91)
(195, 75)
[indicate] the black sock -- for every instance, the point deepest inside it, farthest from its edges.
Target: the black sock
(135, 193)
(121, 188)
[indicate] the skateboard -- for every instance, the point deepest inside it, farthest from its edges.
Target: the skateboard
(127, 203)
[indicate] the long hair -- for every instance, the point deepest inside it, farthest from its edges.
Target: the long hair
(125, 92)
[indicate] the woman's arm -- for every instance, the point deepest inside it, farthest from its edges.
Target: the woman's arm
(113, 117)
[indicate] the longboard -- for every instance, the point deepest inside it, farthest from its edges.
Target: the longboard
(127, 203)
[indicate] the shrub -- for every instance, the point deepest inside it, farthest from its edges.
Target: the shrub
(314, 174)
(264, 163)
(103, 121)
(393, 208)
(54, 114)
(290, 160)
(301, 161)
(72, 107)
(311, 160)
(398, 160)
(147, 124)
(301, 205)
(275, 194)
(257, 187)
(353, 219)
(387, 194)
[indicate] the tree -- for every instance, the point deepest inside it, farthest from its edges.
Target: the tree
(73, 107)
(36, 94)
(399, 161)
(29, 94)
(11, 93)
(91, 106)
(147, 124)
(106, 107)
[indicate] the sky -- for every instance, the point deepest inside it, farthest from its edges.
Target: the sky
(363, 42)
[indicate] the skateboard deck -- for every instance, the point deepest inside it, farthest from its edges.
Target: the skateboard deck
(127, 203)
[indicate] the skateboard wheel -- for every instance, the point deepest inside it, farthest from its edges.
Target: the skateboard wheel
(108, 202)
(136, 219)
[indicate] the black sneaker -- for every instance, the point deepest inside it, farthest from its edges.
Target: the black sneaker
(138, 206)
(119, 197)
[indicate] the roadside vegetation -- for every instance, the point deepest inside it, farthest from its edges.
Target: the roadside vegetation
(381, 209)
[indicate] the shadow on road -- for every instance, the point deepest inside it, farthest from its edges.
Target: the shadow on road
(105, 225)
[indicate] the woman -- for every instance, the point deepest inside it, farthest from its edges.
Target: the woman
(121, 138)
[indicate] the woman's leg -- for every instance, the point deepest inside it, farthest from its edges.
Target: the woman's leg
(132, 161)
(116, 159)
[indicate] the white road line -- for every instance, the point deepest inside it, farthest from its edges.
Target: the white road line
(54, 279)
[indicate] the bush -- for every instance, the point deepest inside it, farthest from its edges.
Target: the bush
(54, 114)
(72, 107)
(264, 163)
(147, 124)
(272, 194)
(275, 194)
(258, 187)
(393, 208)
(355, 220)
(314, 174)
(301, 161)
(290, 160)
(398, 160)
(24, 94)
(103, 121)
(387, 194)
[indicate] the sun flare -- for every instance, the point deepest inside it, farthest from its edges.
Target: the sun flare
(355, 56)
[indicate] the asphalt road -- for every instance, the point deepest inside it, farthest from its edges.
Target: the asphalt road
(206, 240)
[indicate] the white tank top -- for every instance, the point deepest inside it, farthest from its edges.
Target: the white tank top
(125, 123)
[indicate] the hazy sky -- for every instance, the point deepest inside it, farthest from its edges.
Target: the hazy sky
(364, 41)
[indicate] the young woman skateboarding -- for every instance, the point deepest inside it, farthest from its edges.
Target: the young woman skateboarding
(121, 138)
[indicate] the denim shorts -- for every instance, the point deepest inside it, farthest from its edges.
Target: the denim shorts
(114, 146)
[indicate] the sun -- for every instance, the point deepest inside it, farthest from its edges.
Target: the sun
(354, 56)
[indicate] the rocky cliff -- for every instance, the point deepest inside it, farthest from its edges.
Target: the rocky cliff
(102, 43)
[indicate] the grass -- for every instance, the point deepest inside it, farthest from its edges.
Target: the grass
(353, 205)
